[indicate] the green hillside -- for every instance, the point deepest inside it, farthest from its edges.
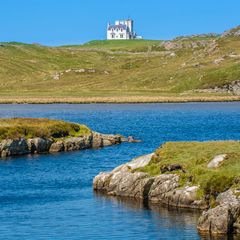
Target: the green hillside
(120, 68)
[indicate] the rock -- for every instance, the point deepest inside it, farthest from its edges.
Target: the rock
(230, 88)
(97, 141)
(234, 32)
(218, 220)
(123, 181)
(103, 140)
(13, 147)
(42, 145)
(218, 60)
(223, 218)
(217, 160)
(82, 70)
(109, 140)
(91, 70)
(127, 184)
(131, 139)
(57, 147)
(173, 54)
(56, 76)
(77, 143)
(171, 168)
(162, 185)
(39, 145)
(140, 161)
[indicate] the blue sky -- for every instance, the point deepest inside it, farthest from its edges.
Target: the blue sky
(57, 22)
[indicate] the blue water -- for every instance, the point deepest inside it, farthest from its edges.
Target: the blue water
(50, 196)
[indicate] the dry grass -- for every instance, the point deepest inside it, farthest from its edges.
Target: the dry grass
(120, 99)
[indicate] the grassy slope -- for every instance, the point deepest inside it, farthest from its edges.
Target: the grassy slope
(194, 157)
(29, 128)
(123, 68)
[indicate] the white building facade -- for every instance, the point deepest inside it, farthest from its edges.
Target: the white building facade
(121, 30)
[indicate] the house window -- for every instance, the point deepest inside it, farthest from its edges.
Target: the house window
(121, 35)
(112, 35)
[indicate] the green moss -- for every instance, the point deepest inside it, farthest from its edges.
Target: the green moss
(15, 128)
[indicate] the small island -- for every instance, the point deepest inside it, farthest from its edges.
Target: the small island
(196, 175)
(19, 136)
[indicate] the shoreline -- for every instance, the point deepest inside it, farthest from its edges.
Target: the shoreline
(117, 100)
(165, 178)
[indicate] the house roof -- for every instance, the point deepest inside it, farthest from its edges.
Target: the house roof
(120, 26)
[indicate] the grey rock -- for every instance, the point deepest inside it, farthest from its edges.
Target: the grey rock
(77, 143)
(57, 147)
(104, 140)
(140, 161)
(223, 218)
(131, 139)
(231, 88)
(13, 147)
(217, 161)
(123, 181)
(97, 141)
(40, 145)
(234, 32)
(162, 185)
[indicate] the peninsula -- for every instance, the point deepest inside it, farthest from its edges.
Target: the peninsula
(19, 136)
(196, 175)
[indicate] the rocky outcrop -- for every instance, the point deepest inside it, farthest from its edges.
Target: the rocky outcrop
(224, 218)
(230, 88)
(11, 147)
(165, 188)
(234, 32)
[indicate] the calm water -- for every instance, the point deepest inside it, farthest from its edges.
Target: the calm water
(50, 196)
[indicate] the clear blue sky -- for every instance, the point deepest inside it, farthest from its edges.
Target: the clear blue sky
(56, 22)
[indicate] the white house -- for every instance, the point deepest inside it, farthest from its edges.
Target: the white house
(121, 30)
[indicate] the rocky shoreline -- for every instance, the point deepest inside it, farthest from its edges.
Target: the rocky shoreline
(22, 146)
(125, 181)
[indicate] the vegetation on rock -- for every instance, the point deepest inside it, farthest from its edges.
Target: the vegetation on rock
(193, 157)
(16, 128)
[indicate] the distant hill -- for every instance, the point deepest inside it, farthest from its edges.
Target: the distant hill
(186, 66)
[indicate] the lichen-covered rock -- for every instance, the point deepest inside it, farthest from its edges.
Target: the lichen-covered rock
(57, 147)
(13, 147)
(77, 143)
(103, 140)
(41, 145)
(140, 161)
(223, 218)
(124, 181)
(217, 161)
(162, 185)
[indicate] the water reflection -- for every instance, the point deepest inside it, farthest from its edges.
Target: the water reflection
(165, 216)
